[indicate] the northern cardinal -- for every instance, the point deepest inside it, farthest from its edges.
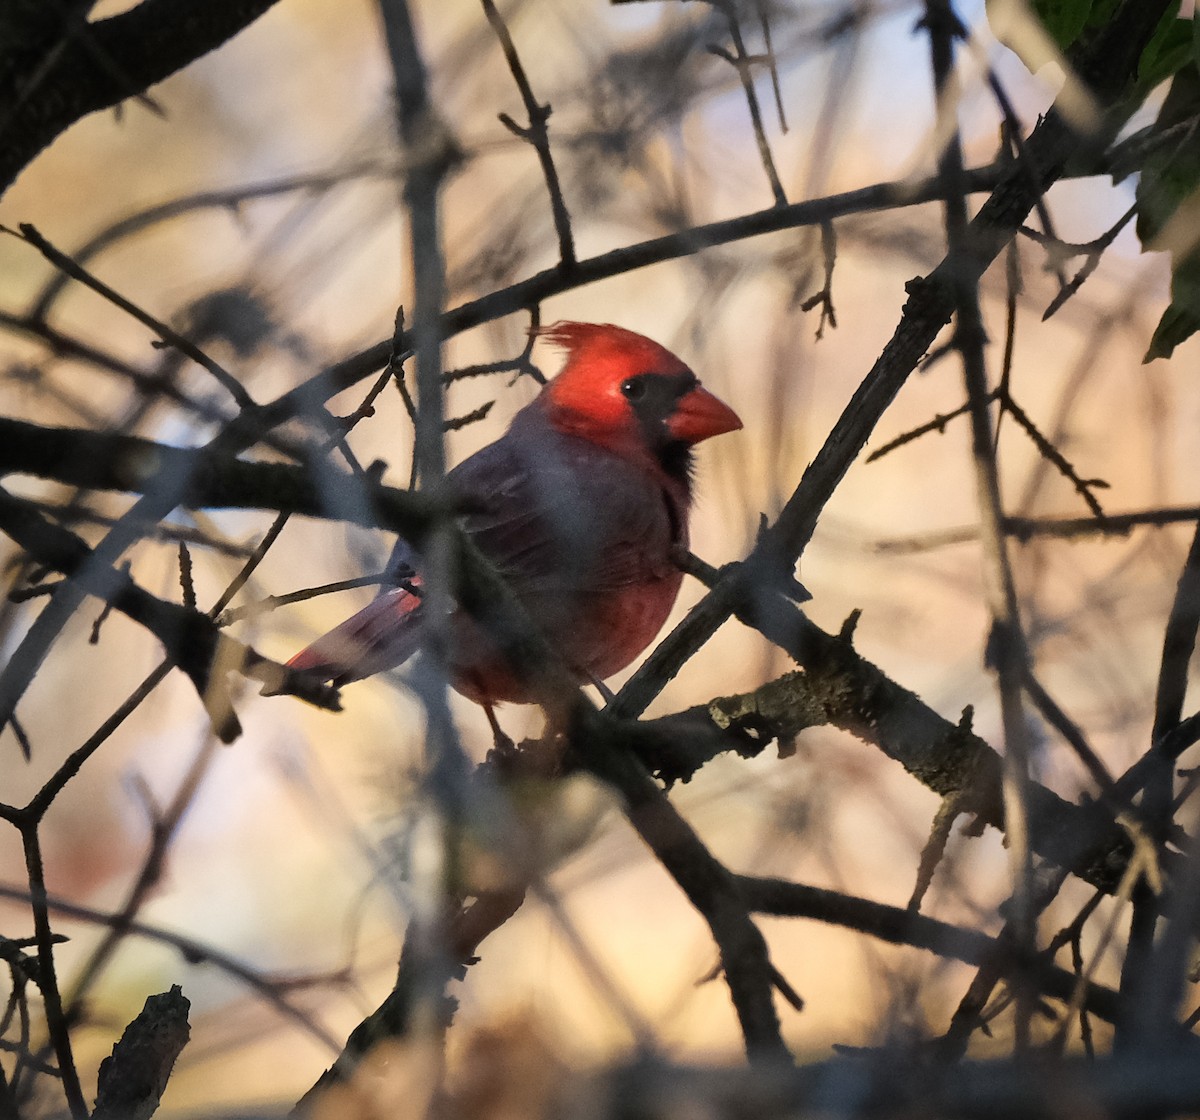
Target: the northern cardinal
(579, 505)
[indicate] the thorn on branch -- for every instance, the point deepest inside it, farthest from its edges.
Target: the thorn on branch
(105, 611)
(846, 633)
(516, 129)
(22, 738)
(781, 985)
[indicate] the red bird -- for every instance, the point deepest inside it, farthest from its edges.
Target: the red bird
(578, 505)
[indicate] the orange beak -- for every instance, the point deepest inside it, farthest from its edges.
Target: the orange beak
(699, 415)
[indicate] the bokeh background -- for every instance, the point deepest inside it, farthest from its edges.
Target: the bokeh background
(296, 855)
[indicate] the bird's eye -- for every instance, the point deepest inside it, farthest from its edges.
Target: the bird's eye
(634, 388)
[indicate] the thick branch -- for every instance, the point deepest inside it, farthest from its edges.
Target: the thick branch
(840, 688)
(47, 86)
(134, 1077)
(130, 464)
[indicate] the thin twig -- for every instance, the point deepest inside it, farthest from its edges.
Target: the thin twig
(163, 826)
(824, 298)
(1067, 528)
(764, 19)
(742, 61)
(1083, 486)
(190, 950)
(1092, 251)
(1012, 290)
(61, 261)
(230, 198)
(57, 1024)
(900, 926)
(536, 133)
(937, 424)
(274, 602)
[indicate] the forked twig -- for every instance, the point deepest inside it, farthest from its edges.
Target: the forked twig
(536, 133)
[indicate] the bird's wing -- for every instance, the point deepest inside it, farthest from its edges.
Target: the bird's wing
(559, 514)
(559, 518)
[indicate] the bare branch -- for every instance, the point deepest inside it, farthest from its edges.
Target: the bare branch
(536, 133)
(134, 1077)
(64, 263)
(119, 57)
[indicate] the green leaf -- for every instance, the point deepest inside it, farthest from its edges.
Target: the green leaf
(1182, 319)
(1170, 179)
(1163, 185)
(1171, 46)
(1102, 12)
(1064, 19)
(1172, 172)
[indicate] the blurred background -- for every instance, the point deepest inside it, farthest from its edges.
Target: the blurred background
(262, 213)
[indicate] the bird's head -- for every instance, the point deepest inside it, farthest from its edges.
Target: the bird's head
(627, 393)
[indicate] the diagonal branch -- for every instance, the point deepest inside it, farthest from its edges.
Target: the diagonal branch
(192, 639)
(111, 60)
(840, 688)
(1107, 62)
(67, 266)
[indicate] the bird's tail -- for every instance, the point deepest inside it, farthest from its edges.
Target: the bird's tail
(384, 634)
